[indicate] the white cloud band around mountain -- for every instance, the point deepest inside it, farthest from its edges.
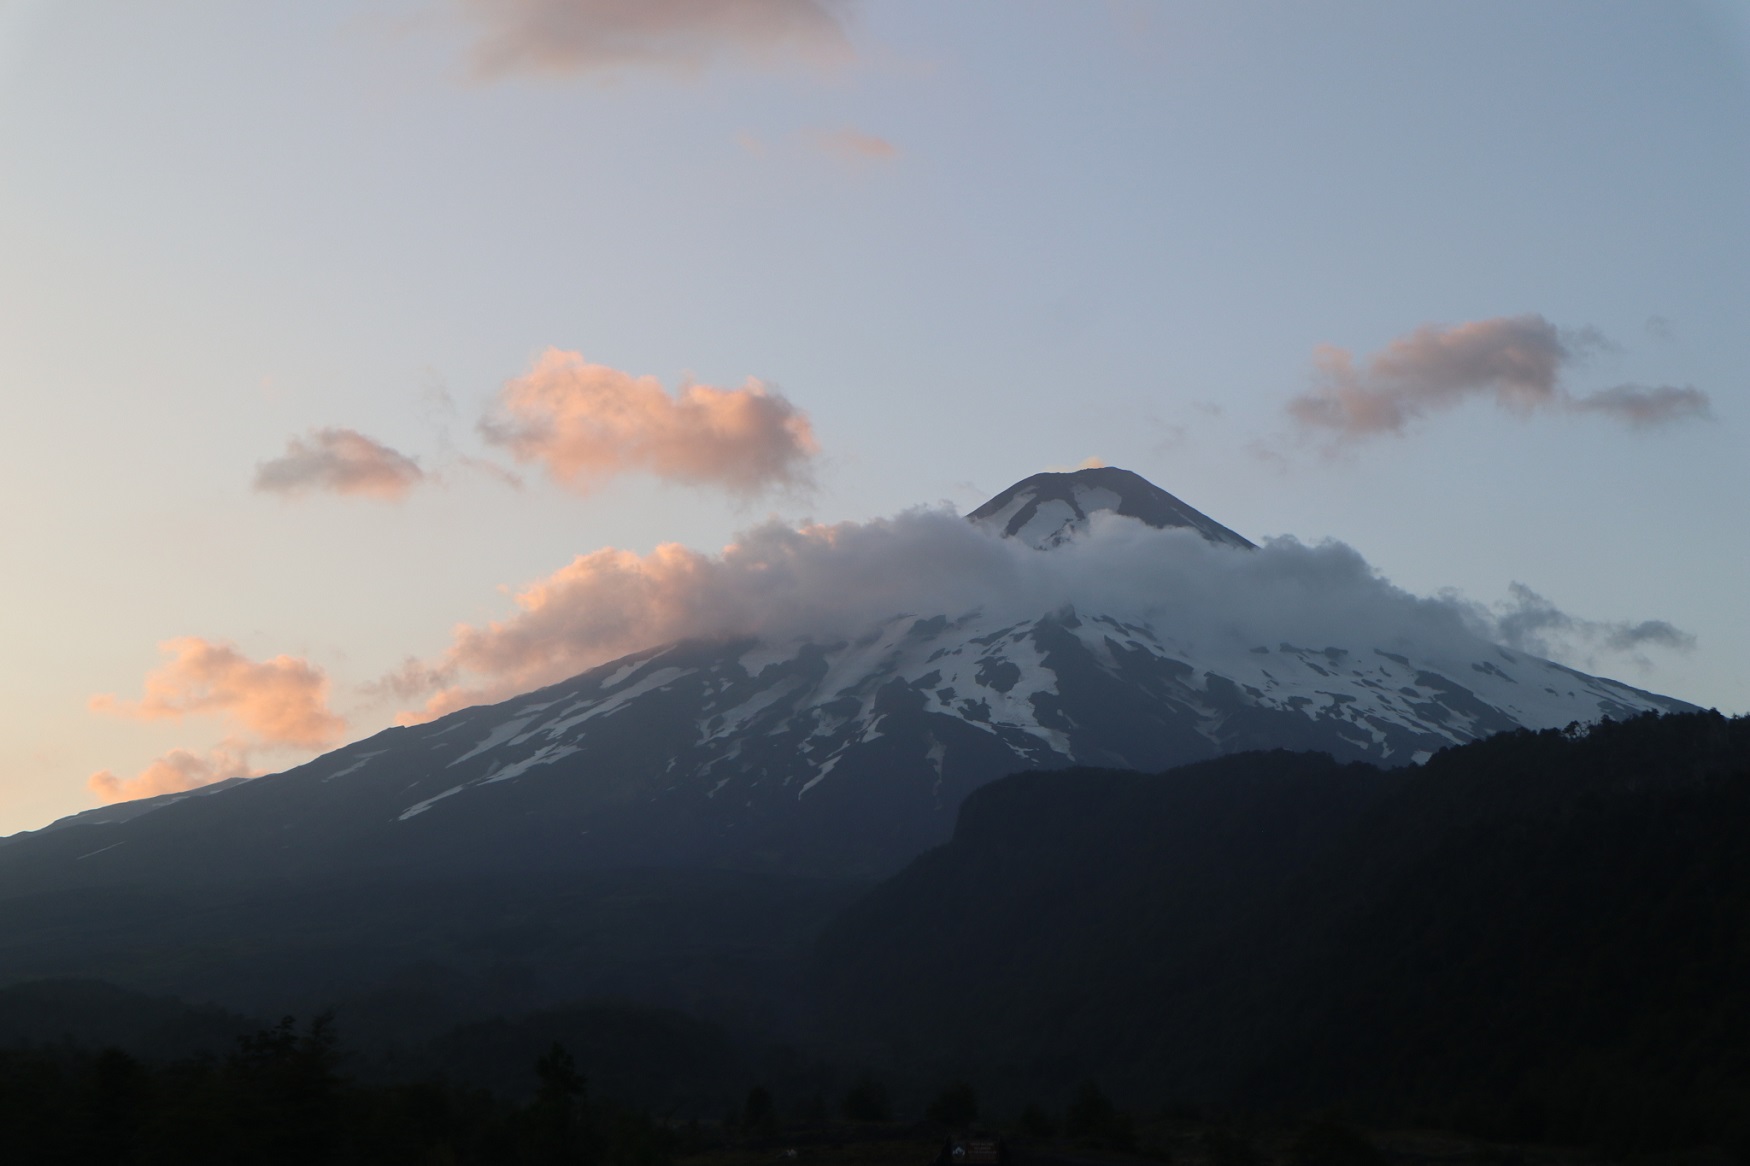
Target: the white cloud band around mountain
(838, 582)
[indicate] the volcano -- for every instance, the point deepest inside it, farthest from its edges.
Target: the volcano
(839, 757)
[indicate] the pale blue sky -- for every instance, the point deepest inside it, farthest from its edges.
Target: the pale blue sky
(1116, 230)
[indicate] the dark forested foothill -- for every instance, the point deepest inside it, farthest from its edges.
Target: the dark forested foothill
(1538, 936)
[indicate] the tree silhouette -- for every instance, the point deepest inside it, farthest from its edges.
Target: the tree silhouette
(867, 1101)
(956, 1105)
(759, 1115)
(557, 1128)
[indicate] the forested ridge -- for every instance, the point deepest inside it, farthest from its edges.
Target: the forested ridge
(1540, 935)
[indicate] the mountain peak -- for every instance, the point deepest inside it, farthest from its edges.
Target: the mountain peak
(1047, 510)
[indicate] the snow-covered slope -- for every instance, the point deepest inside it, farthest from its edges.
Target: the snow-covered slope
(925, 708)
(851, 756)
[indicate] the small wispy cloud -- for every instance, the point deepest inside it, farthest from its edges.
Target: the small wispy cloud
(1529, 622)
(569, 38)
(849, 144)
(412, 681)
(1515, 362)
(276, 704)
(586, 423)
(279, 701)
(178, 771)
(1645, 406)
(339, 461)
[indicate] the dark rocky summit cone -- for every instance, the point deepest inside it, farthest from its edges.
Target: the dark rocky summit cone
(1047, 509)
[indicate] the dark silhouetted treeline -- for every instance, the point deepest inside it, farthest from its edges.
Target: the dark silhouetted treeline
(280, 1096)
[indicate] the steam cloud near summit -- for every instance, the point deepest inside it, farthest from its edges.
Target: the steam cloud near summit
(840, 581)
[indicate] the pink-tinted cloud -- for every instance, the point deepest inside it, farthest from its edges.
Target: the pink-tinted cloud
(610, 602)
(853, 145)
(1514, 361)
(177, 771)
(282, 701)
(585, 423)
(339, 461)
(1644, 406)
(573, 37)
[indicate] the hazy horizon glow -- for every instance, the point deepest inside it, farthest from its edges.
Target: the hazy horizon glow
(366, 359)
